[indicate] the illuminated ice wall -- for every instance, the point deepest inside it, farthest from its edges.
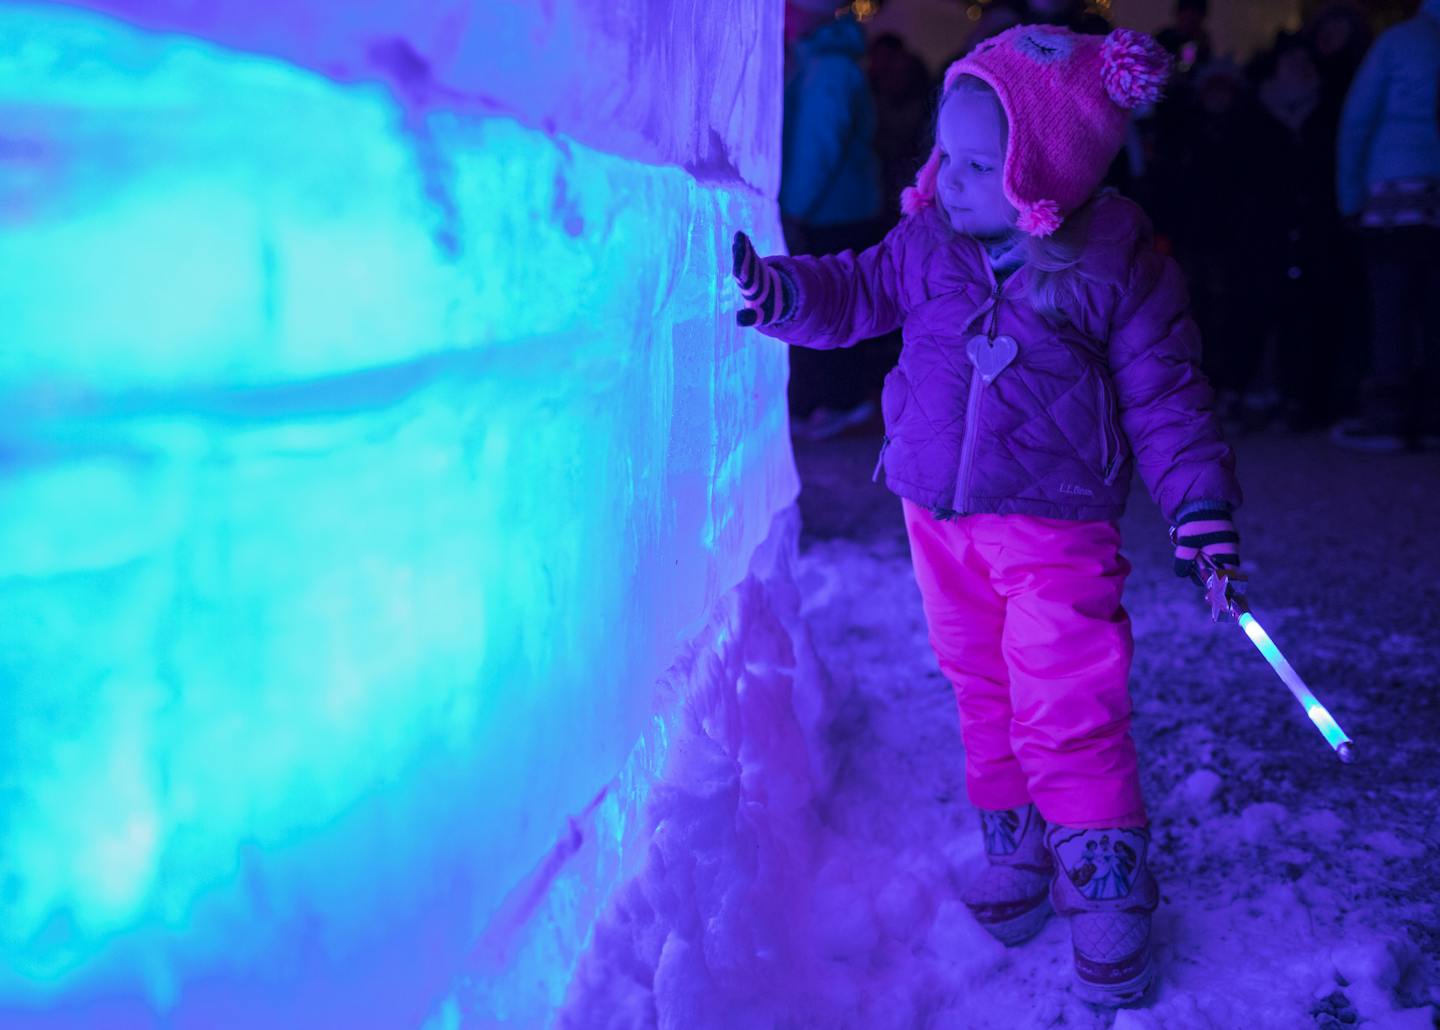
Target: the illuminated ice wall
(381, 475)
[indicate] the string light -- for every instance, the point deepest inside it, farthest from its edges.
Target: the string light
(864, 10)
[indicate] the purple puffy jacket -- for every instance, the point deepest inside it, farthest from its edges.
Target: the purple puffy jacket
(1055, 432)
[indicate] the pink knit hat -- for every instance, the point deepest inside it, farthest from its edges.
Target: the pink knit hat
(1067, 98)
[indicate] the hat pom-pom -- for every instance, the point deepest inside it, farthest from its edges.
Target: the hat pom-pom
(1134, 68)
(1040, 218)
(912, 201)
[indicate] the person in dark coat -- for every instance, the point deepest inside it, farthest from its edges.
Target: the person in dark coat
(1296, 232)
(1188, 39)
(904, 109)
(830, 195)
(1339, 33)
(1210, 207)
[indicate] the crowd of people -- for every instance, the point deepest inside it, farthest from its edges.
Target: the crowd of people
(1299, 191)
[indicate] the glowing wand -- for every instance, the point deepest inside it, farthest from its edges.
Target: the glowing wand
(1226, 601)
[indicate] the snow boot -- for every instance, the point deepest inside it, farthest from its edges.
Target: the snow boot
(1105, 888)
(1011, 898)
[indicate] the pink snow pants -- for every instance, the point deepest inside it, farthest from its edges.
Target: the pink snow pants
(1025, 617)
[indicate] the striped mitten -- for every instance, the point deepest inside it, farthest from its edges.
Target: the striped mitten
(767, 294)
(1209, 531)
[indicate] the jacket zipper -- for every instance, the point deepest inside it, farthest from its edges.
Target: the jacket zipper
(1109, 439)
(1112, 464)
(972, 411)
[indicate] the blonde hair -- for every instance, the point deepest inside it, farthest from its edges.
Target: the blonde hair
(1054, 260)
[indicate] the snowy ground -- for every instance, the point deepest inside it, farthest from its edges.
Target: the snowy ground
(1297, 892)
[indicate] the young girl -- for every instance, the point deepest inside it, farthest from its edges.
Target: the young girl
(1047, 349)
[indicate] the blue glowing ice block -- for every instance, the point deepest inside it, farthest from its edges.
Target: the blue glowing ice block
(375, 437)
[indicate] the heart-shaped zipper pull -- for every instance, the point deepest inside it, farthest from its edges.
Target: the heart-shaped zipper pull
(990, 357)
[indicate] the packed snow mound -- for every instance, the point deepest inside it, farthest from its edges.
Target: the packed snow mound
(1297, 892)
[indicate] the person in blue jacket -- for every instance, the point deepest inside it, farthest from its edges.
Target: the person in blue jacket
(830, 176)
(830, 198)
(1388, 181)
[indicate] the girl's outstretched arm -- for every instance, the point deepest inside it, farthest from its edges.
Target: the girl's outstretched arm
(831, 301)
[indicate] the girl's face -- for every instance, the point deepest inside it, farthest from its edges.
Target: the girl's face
(971, 134)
